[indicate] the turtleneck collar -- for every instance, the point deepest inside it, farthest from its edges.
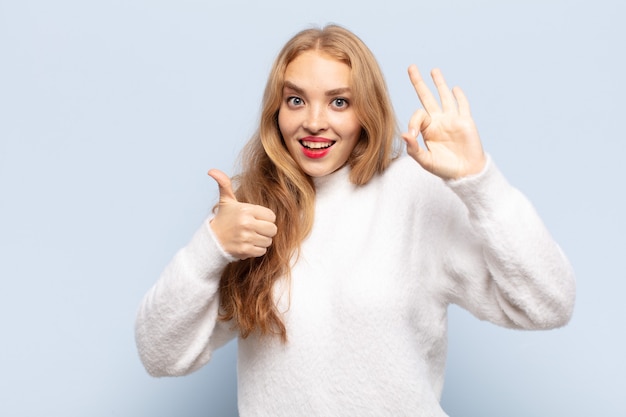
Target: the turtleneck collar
(333, 180)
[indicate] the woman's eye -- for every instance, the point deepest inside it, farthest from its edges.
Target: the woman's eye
(340, 102)
(295, 101)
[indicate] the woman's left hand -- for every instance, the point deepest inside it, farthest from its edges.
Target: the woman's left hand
(452, 145)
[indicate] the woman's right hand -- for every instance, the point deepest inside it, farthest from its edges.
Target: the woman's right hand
(244, 230)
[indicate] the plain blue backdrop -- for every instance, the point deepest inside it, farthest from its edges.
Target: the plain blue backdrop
(111, 112)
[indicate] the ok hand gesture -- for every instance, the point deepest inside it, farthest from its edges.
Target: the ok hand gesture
(452, 146)
(244, 230)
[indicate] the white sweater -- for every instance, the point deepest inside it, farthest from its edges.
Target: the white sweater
(366, 309)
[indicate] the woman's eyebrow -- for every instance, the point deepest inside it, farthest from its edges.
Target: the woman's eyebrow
(292, 86)
(338, 91)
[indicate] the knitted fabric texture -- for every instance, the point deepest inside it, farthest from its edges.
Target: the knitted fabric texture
(366, 307)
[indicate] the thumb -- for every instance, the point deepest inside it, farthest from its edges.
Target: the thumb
(413, 147)
(225, 186)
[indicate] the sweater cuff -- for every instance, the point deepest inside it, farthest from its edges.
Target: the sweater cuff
(483, 191)
(204, 254)
(216, 242)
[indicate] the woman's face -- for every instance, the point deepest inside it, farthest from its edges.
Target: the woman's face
(316, 117)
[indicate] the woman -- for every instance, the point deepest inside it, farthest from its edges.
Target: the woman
(334, 259)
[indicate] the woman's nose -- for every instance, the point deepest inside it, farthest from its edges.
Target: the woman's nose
(315, 120)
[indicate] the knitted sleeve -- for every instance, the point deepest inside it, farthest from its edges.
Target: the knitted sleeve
(177, 327)
(505, 266)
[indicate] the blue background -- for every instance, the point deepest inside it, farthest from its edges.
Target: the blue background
(111, 112)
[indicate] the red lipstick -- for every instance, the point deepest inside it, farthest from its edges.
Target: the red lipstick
(316, 147)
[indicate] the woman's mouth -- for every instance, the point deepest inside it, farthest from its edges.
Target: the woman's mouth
(316, 148)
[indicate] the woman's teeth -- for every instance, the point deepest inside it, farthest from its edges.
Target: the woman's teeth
(316, 145)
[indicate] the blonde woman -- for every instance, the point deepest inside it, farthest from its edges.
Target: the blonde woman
(333, 259)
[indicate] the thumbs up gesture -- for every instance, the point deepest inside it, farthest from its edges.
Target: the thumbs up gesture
(244, 230)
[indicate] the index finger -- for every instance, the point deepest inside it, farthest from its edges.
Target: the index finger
(263, 213)
(426, 97)
(266, 221)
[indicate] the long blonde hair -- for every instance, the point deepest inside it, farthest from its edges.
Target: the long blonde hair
(271, 178)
